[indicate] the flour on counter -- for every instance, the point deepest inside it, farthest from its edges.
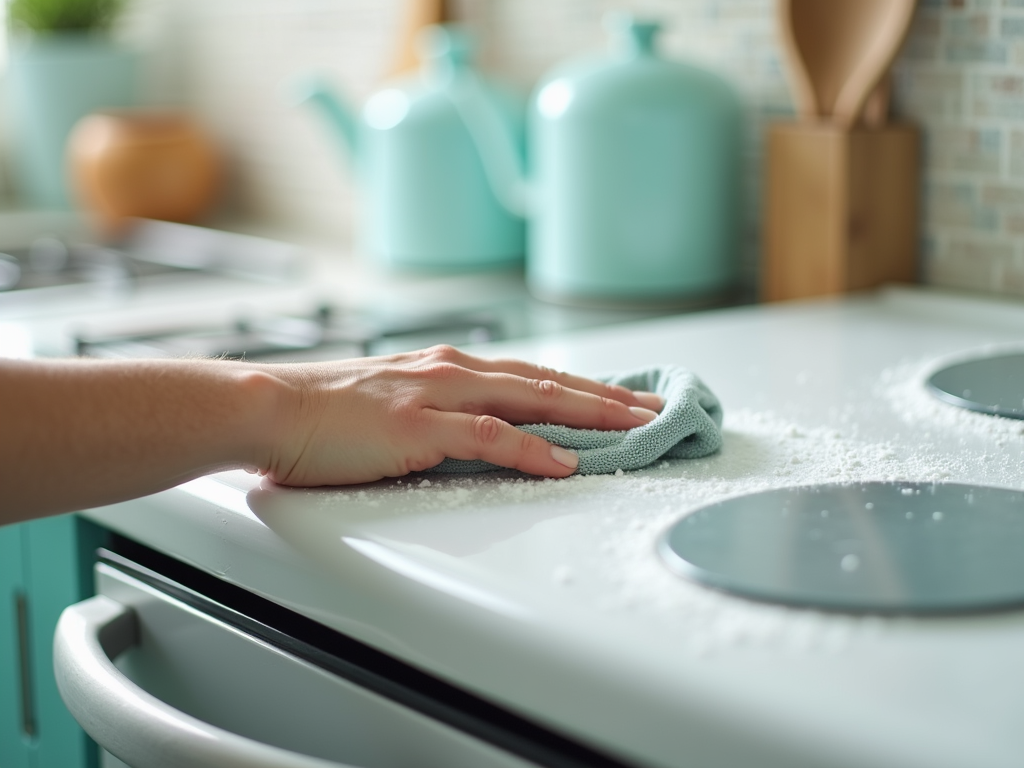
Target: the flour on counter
(903, 387)
(762, 450)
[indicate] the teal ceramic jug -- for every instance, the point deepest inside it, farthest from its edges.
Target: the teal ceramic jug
(53, 81)
(632, 190)
(427, 201)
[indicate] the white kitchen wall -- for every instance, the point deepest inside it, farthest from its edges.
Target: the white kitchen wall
(961, 77)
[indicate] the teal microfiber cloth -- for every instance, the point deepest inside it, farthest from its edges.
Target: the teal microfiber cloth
(688, 427)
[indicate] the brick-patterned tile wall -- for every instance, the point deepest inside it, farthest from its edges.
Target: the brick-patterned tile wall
(961, 77)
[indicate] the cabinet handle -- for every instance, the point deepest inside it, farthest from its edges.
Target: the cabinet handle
(28, 720)
(127, 721)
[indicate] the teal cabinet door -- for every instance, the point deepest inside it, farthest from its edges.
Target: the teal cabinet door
(15, 721)
(45, 566)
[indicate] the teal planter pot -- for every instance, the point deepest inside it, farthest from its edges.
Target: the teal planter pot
(632, 191)
(427, 201)
(53, 82)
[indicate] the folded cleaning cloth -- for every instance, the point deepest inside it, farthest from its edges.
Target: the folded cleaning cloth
(688, 427)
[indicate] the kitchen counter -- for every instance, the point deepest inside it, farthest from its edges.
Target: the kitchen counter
(548, 597)
(297, 280)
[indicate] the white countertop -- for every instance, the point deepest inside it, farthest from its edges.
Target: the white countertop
(548, 596)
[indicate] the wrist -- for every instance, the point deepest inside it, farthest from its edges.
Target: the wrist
(282, 408)
(262, 401)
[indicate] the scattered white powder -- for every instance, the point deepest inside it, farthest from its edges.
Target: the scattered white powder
(638, 506)
(619, 473)
(903, 386)
(762, 450)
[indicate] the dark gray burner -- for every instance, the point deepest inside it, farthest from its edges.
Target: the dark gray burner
(993, 385)
(873, 547)
(326, 335)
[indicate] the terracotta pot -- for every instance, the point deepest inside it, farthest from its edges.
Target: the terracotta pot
(145, 164)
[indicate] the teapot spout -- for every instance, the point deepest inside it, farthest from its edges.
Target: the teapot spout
(339, 115)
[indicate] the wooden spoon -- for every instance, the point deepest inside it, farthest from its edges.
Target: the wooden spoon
(839, 51)
(418, 14)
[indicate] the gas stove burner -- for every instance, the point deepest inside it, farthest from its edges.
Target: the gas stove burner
(146, 250)
(328, 334)
(49, 262)
(993, 385)
(896, 548)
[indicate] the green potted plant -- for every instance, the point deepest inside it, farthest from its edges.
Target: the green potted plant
(63, 65)
(45, 16)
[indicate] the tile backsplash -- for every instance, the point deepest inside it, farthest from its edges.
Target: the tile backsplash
(961, 77)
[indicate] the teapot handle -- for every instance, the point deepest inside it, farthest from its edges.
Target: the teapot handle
(494, 140)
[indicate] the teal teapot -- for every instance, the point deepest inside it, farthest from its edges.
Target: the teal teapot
(427, 203)
(633, 186)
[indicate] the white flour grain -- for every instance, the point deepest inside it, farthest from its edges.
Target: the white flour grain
(903, 387)
(762, 450)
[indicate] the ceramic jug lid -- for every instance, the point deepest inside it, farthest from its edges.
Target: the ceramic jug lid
(445, 49)
(636, 36)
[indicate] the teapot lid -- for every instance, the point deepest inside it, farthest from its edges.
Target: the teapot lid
(445, 49)
(635, 36)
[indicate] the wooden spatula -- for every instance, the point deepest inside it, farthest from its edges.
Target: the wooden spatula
(418, 14)
(839, 52)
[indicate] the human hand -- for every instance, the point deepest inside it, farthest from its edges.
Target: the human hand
(83, 433)
(359, 420)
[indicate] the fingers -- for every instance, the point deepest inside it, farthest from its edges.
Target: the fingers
(648, 400)
(525, 401)
(484, 437)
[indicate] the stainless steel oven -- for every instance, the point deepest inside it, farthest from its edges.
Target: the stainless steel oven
(162, 675)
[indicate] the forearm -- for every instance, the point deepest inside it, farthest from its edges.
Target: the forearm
(76, 434)
(114, 430)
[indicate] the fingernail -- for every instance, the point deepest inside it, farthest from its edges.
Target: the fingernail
(650, 400)
(644, 414)
(564, 457)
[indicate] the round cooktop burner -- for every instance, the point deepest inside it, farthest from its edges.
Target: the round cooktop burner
(993, 385)
(872, 547)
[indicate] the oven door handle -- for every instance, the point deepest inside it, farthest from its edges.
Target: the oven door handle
(130, 723)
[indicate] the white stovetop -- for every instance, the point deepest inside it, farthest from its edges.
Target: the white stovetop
(548, 596)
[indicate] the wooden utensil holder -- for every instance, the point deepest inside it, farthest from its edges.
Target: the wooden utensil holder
(840, 208)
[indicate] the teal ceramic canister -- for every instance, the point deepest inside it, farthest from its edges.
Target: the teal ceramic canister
(636, 176)
(632, 190)
(427, 203)
(53, 81)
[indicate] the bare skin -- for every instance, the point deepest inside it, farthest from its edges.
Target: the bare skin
(76, 434)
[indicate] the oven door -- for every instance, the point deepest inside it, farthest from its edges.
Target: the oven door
(158, 683)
